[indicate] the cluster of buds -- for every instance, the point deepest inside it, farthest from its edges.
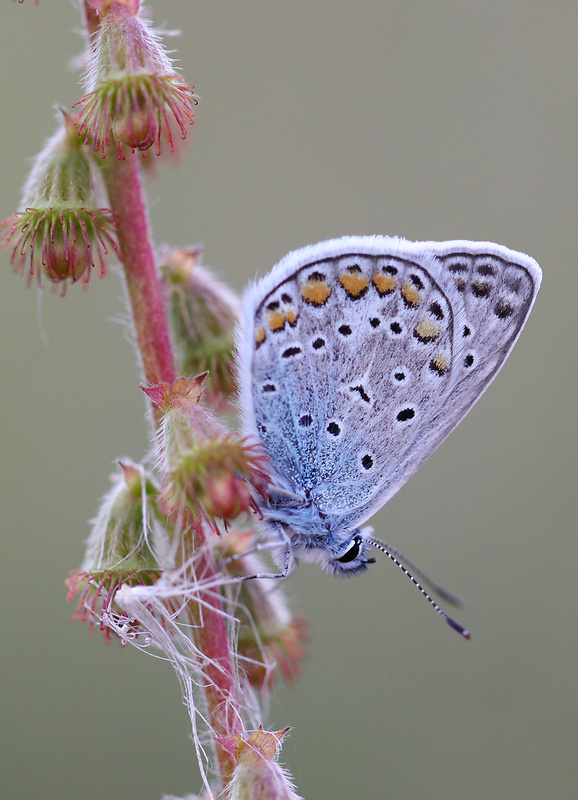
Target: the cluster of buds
(136, 575)
(203, 313)
(209, 472)
(134, 96)
(128, 546)
(61, 232)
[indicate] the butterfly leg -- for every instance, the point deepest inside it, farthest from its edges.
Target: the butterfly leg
(288, 560)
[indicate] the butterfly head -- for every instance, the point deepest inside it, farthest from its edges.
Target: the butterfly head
(348, 557)
(353, 559)
(306, 534)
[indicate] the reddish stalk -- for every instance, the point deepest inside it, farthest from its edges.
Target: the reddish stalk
(127, 201)
(210, 635)
(125, 193)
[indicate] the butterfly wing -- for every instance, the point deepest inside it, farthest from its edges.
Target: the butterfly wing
(358, 356)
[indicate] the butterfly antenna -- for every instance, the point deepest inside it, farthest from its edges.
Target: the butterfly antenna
(391, 553)
(445, 594)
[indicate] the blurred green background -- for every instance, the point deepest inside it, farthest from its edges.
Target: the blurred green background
(318, 118)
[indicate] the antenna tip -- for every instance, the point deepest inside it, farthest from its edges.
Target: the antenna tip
(457, 627)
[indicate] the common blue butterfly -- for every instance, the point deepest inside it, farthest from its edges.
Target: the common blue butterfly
(357, 357)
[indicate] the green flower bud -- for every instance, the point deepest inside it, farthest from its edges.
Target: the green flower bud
(203, 313)
(128, 545)
(61, 233)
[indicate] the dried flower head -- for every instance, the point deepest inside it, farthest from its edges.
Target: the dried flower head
(203, 314)
(102, 5)
(209, 471)
(258, 775)
(270, 636)
(60, 233)
(128, 546)
(134, 96)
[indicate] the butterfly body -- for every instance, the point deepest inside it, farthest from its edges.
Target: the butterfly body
(357, 357)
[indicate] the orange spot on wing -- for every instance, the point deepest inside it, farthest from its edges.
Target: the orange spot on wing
(440, 362)
(259, 336)
(384, 283)
(427, 330)
(315, 291)
(410, 294)
(276, 320)
(354, 283)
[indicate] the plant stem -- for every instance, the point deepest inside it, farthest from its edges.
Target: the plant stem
(210, 633)
(125, 193)
(124, 186)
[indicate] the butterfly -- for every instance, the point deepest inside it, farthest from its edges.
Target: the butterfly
(356, 358)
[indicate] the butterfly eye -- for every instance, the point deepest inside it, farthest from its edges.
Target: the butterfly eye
(352, 551)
